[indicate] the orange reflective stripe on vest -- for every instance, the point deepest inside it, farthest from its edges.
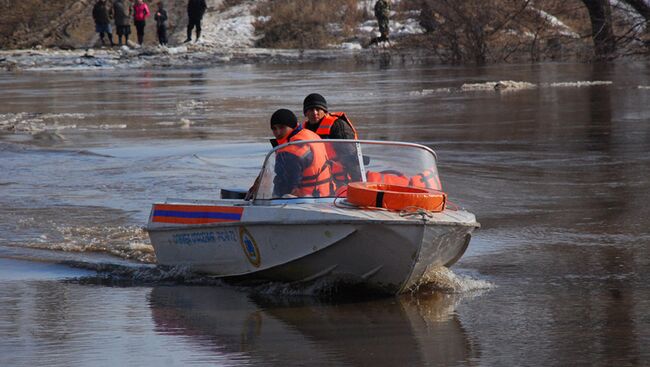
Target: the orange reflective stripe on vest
(325, 126)
(388, 177)
(324, 130)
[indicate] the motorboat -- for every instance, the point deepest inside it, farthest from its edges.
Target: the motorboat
(384, 229)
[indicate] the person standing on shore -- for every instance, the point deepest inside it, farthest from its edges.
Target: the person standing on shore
(382, 11)
(122, 16)
(195, 11)
(161, 24)
(102, 21)
(140, 15)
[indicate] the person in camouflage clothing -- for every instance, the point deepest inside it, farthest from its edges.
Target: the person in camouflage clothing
(382, 8)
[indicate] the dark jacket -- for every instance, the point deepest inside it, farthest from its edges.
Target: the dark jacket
(288, 173)
(347, 152)
(161, 20)
(100, 14)
(121, 13)
(382, 9)
(196, 9)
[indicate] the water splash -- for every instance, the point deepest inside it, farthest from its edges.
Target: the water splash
(444, 280)
(140, 274)
(126, 242)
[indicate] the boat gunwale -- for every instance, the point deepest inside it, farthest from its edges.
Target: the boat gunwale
(406, 221)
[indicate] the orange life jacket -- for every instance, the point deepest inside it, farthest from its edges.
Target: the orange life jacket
(316, 177)
(324, 129)
(325, 125)
(388, 177)
(426, 179)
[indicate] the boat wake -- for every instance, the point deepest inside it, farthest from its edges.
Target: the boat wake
(124, 242)
(140, 275)
(437, 281)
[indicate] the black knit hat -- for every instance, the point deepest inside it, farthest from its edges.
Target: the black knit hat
(284, 117)
(314, 100)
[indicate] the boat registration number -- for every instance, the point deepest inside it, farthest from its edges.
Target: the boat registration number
(205, 237)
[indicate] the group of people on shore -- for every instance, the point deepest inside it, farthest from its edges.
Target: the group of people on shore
(123, 11)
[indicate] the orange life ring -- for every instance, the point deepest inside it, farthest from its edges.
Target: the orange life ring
(395, 197)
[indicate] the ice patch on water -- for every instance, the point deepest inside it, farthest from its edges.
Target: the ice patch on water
(579, 84)
(36, 122)
(643, 87)
(510, 86)
(107, 126)
(350, 46)
(427, 92)
(166, 123)
(183, 123)
(503, 85)
(191, 107)
(444, 280)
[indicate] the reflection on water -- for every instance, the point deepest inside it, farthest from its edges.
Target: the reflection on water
(277, 331)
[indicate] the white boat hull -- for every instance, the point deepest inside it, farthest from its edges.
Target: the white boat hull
(378, 249)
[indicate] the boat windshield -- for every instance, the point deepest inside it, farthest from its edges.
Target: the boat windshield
(323, 168)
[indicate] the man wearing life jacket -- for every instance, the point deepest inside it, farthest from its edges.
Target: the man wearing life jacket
(333, 125)
(300, 170)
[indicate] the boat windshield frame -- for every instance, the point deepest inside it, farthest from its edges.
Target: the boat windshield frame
(358, 143)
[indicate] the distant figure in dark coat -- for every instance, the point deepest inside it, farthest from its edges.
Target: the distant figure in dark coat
(161, 24)
(382, 10)
(102, 21)
(122, 15)
(195, 11)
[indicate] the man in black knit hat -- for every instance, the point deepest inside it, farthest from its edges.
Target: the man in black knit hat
(333, 125)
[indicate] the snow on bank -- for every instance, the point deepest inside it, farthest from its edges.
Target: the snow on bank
(232, 28)
(562, 28)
